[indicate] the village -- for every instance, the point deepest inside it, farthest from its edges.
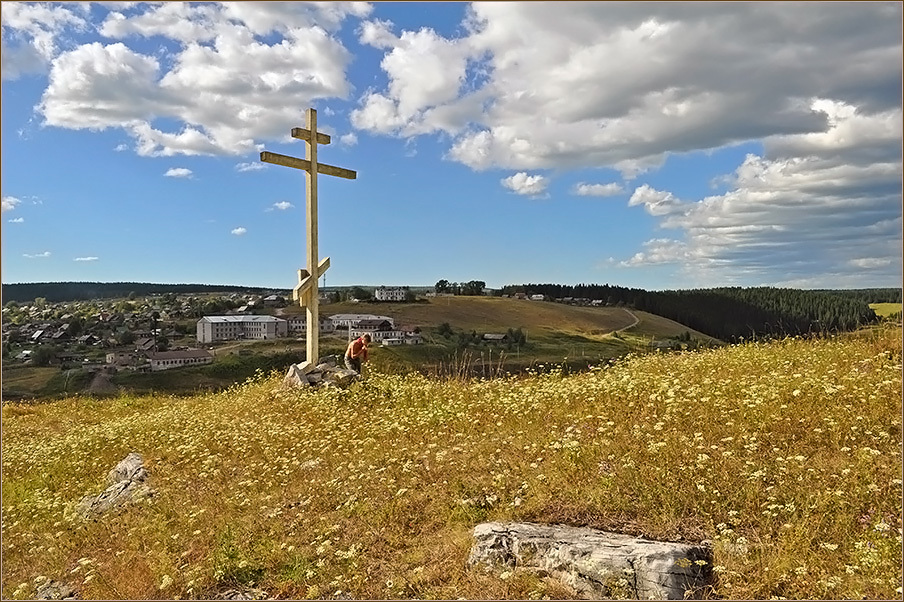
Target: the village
(168, 331)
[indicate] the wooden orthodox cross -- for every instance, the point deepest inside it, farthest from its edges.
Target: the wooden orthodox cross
(306, 291)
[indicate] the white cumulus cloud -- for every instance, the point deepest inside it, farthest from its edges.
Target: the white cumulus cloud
(522, 183)
(86, 259)
(822, 211)
(243, 167)
(656, 202)
(611, 189)
(17, 220)
(627, 84)
(283, 205)
(426, 73)
(240, 72)
(178, 172)
(10, 202)
(658, 251)
(36, 255)
(239, 231)
(31, 35)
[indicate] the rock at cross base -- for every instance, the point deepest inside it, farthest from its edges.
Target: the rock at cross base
(127, 483)
(297, 374)
(326, 363)
(326, 372)
(342, 376)
(597, 564)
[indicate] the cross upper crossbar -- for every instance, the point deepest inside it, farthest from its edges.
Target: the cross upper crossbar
(303, 134)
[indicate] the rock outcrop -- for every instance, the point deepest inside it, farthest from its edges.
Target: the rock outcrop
(596, 564)
(128, 483)
(324, 372)
(247, 593)
(55, 590)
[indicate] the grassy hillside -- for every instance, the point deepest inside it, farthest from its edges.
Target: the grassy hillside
(886, 309)
(496, 314)
(557, 334)
(787, 456)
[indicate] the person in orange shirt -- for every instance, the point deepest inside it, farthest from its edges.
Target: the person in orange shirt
(357, 353)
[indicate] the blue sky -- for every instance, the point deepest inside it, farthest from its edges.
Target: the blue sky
(661, 146)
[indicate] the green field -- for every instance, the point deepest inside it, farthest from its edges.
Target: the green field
(496, 314)
(556, 333)
(883, 310)
(23, 382)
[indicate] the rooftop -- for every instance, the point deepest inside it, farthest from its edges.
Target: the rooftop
(240, 319)
(178, 355)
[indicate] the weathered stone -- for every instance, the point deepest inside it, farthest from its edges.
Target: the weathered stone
(306, 367)
(131, 468)
(243, 594)
(325, 363)
(595, 563)
(127, 484)
(55, 590)
(295, 376)
(315, 378)
(341, 377)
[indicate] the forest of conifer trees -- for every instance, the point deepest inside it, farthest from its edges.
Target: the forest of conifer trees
(731, 313)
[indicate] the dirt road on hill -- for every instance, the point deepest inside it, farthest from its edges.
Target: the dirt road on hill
(633, 324)
(101, 385)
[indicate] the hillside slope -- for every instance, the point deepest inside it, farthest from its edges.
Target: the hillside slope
(785, 455)
(497, 314)
(556, 334)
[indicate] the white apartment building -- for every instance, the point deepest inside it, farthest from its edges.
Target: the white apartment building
(381, 331)
(166, 360)
(227, 328)
(352, 320)
(391, 293)
(376, 336)
(298, 325)
(408, 338)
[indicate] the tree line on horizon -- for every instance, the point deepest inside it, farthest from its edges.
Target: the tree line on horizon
(732, 313)
(56, 292)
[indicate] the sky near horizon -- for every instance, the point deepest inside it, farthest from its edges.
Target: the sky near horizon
(653, 145)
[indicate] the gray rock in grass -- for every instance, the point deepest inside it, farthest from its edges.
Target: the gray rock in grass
(596, 564)
(128, 483)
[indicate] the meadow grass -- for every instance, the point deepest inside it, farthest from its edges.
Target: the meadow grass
(785, 455)
(886, 309)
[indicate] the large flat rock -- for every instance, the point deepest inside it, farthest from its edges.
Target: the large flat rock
(597, 564)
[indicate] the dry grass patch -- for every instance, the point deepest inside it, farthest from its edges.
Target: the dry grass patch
(786, 455)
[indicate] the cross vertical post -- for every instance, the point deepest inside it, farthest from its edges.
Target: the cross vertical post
(306, 292)
(310, 176)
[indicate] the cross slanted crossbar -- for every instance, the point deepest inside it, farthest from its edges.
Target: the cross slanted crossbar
(306, 292)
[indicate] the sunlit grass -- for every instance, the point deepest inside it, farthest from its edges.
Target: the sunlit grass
(786, 455)
(886, 309)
